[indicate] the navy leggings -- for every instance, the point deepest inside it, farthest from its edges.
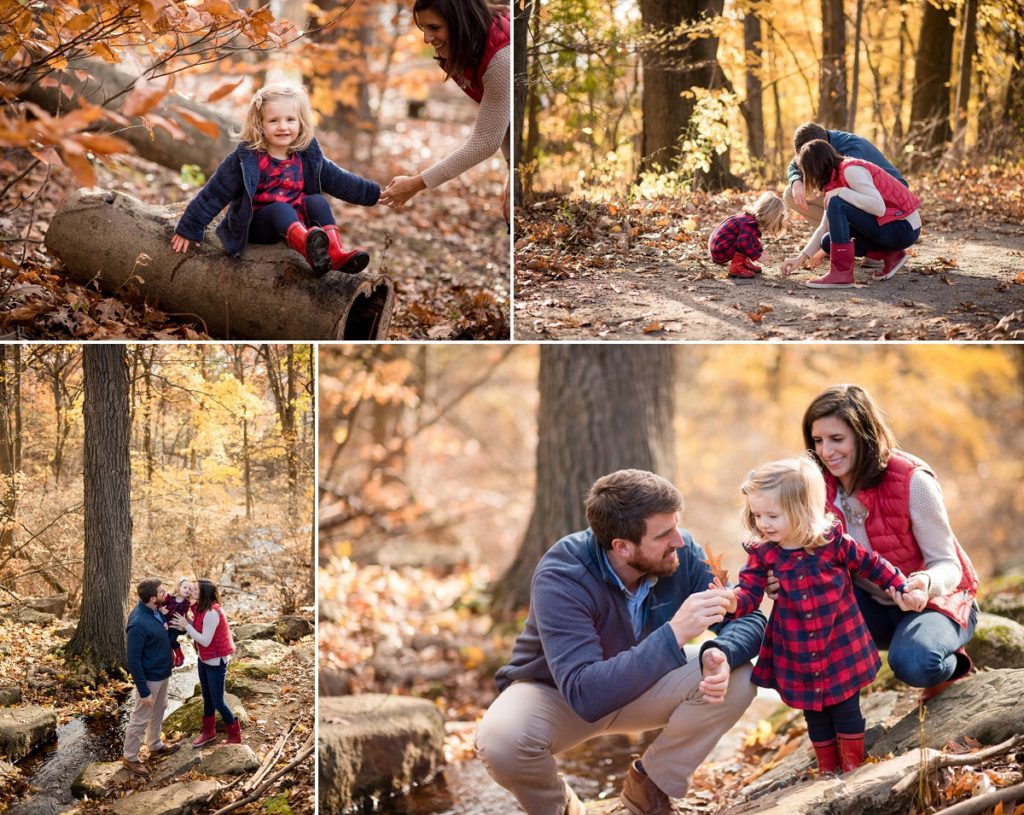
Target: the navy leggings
(211, 680)
(843, 717)
(270, 223)
(846, 223)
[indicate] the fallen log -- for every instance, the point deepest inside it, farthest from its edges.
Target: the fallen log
(105, 81)
(270, 293)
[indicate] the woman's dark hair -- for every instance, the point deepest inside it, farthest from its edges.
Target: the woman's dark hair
(818, 162)
(808, 131)
(469, 22)
(207, 595)
(874, 438)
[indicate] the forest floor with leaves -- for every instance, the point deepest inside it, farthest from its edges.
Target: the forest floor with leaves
(447, 250)
(426, 633)
(630, 270)
(29, 658)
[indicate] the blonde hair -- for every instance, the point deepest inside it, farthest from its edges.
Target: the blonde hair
(769, 211)
(252, 135)
(798, 486)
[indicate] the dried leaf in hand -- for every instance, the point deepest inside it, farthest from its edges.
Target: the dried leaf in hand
(714, 562)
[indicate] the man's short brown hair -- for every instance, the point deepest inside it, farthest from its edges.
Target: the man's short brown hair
(808, 131)
(148, 589)
(619, 504)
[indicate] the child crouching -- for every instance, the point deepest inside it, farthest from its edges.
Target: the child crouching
(737, 240)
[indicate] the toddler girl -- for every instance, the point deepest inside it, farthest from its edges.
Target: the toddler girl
(816, 651)
(275, 183)
(737, 240)
(178, 603)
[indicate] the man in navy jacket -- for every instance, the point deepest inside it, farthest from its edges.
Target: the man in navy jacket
(150, 665)
(605, 651)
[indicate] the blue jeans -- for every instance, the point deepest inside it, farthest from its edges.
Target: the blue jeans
(270, 223)
(846, 223)
(842, 717)
(211, 680)
(921, 643)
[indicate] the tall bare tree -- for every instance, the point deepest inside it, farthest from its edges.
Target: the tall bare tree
(10, 443)
(754, 56)
(930, 108)
(832, 100)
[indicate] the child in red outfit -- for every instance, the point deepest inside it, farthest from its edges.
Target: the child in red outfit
(816, 651)
(737, 240)
(177, 603)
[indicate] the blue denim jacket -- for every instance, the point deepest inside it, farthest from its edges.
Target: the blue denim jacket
(234, 185)
(852, 146)
(149, 650)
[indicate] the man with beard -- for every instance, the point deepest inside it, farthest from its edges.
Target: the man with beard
(605, 651)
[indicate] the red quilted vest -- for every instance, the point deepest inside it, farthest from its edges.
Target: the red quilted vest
(889, 529)
(221, 645)
(899, 201)
(498, 37)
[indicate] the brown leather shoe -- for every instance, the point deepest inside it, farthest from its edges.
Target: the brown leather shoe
(641, 796)
(165, 749)
(574, 806)
(136, 767)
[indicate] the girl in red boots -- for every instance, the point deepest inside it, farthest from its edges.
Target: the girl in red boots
(868, 213)
(177, 603)
(274, 186)
(737, 240)
(212, 634)
(816, 651)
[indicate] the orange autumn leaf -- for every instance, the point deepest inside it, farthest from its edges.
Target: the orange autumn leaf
(714, 562)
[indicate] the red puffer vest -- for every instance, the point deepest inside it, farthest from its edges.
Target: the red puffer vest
(498, 37)
(899, 201)
(889, 529)
(221, 645)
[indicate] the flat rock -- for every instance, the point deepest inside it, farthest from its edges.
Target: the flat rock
(10, 695)
(55, 605)
(164, 769)
(261, 650)
(175, 799)
(251, 668)
(253, 631)
(231, 759)
(244, 687)
(998, 642)
(98, 778)
(374, 744)
(188, 719)
(292, 627)
(22, 729)
(29, 616)
(333, 682)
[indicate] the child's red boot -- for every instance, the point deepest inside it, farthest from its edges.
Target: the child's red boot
(738, 267)
(840, 273)
(234, 733)
(311, 243)
(209, 732)
(851, 751)
(179, 657)
(349, 261)
(892, 261)
(827, 753)
(754, 267)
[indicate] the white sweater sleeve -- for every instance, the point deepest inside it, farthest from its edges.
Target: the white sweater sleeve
(933, 534)
(210, 623)
(491, 129)
(862, 192)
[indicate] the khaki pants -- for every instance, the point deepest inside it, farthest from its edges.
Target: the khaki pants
(813, 212)
(146, 720)
(530, 722)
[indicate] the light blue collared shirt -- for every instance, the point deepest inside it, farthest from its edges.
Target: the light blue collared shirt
(634, 601)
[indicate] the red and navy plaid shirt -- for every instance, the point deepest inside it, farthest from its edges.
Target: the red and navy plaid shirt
(280, 180)
(736, 234)
(816, 650)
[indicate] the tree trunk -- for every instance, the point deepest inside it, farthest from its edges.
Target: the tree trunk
(520, 84)
(269, 294)
(10, 444)
(930, 108)
(105, 81)
(1013, 101)
(533, 106)
(100, 637)
(601, 409)
(754, 54)
(968, 44)
(832, 77)
(851, 114)
(239, 359)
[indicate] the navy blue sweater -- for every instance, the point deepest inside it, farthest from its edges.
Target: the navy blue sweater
(149, 651)
(579, 638)
(235, 181)
(852, 146)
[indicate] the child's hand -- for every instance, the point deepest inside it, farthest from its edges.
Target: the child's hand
(179, 243)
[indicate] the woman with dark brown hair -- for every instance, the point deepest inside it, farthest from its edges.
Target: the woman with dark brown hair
(890, 501)
(471, 44)
(867, 213)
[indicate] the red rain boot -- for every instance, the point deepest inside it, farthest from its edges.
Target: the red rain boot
(234, 733)
(892, 261)
(311, 243)
(738, 267)
(851, 751)
(179, 657)
(827, 753)
(752, 266)
(209, 731)
(349, 261)
(840, 273)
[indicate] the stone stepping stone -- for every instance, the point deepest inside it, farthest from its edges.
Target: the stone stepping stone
(254, 631)
(22, 729)
(231, 759)
(261, 650)
(175, 799)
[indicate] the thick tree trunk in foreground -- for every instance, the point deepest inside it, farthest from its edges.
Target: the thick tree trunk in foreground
(270, 293)
(156, 144)
(100, 638)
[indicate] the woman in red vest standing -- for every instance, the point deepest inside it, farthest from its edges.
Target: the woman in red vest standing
(889, 501)
(471, 43)
(212, 634)
(867, 213)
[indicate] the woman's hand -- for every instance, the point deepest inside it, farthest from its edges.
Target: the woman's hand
(815, 260)
(179, 622)
(910, 599)
(401, 189)
(179, 243)
(790, 265)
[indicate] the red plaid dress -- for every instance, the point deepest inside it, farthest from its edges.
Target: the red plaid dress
(737, 233)
(280, 180)
(816, 650)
